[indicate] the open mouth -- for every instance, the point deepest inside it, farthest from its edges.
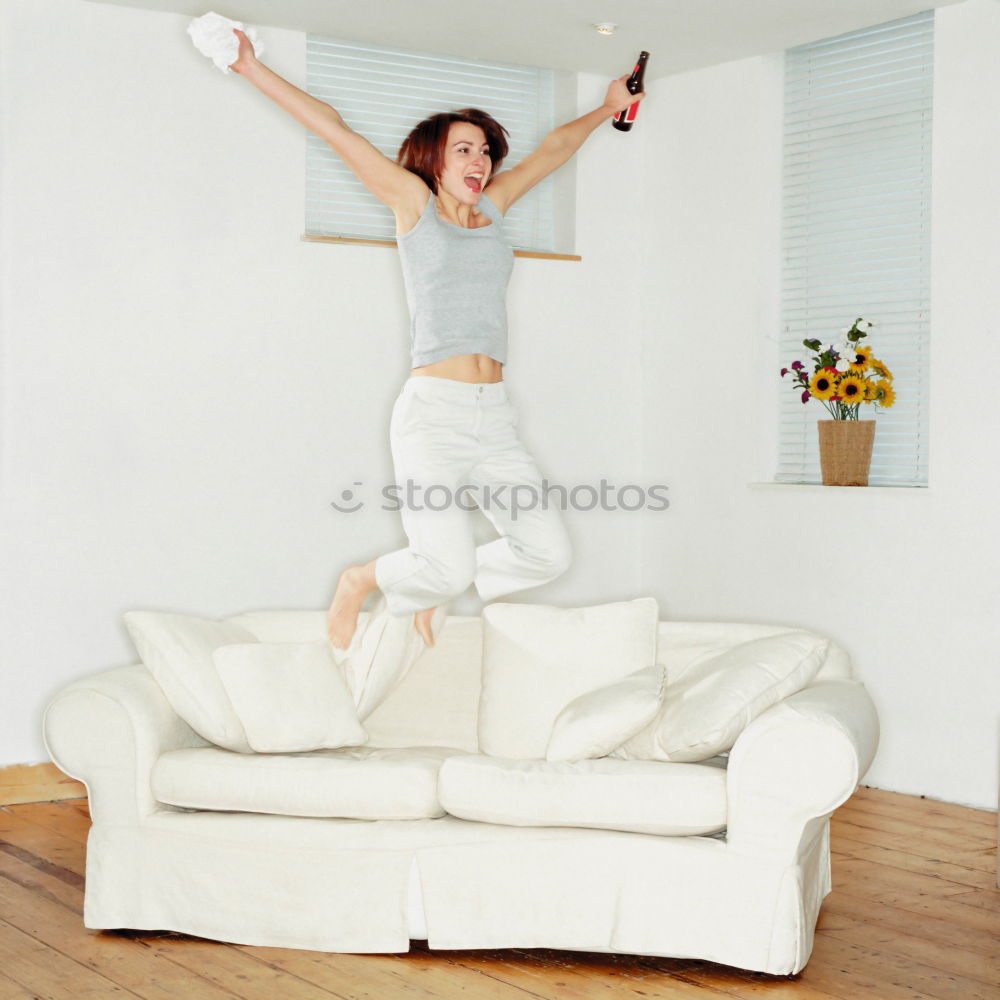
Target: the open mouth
(474, 182)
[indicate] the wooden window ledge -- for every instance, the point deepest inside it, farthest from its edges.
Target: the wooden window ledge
(536, 254)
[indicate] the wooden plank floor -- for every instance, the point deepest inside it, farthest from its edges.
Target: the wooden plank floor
(915, 913)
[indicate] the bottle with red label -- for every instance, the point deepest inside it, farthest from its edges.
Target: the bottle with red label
(624, 119)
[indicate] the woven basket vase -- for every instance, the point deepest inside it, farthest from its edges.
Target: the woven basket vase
(845, 451)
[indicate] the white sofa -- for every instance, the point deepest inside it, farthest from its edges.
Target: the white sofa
(419, 835)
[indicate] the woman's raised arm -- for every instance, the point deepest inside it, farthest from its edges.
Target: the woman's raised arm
(557, 147)
(387, 180)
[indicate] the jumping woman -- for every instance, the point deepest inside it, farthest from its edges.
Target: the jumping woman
(452, 424)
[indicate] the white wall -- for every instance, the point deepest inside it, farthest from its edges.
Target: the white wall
(187, 385)
(907, 580)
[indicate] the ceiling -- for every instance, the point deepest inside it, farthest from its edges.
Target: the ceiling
(679, 34)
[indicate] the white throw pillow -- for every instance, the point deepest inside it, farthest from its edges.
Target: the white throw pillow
(290, 696)
(177, 650)
(382, 654)
(285, 626)
(537, 659)
(708, 707)
(598, 722)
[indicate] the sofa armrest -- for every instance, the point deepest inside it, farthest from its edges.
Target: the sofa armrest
(107, 730)
(796, 763)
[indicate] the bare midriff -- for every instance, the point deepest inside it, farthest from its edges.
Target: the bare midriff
(464, 368)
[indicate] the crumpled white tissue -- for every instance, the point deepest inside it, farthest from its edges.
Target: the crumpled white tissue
(213, 36)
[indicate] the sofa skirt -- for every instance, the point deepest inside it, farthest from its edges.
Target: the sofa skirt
(350, 886)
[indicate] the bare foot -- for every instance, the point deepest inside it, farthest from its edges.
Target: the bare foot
(355, 584)
(422, 623)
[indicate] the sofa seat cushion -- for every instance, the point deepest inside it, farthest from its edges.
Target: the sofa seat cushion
(351, 782)
(604, 793)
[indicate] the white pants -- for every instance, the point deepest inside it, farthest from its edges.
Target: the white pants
(455, 447)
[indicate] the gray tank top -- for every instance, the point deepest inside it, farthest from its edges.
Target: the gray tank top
(456, 285)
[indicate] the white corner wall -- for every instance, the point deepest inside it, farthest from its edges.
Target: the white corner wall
(907, 580)
(186, 385)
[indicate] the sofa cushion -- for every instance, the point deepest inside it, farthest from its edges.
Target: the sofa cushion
(707, 708)
(289, 696)
(364, 783)
(606, 794)
(291, 625)
(435, 703)
(388, 646)
(595, 723)
(383, 651)
(177, 650)
(537, 659)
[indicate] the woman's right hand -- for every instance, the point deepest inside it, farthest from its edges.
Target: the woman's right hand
(246, 58)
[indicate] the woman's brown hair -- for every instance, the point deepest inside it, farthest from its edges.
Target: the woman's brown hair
(422, 151)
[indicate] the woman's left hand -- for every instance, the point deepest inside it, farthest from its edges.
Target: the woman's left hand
(618, 98)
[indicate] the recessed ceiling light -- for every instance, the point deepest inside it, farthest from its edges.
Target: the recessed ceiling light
(606, 28)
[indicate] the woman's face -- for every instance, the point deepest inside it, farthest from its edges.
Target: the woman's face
(467, 163)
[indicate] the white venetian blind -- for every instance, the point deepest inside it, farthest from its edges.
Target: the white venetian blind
(382, 93)
(856, 231)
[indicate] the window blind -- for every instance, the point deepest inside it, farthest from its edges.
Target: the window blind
(382, 93)
(856, 231)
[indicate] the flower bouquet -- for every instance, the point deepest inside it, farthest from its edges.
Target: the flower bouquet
(844, 377)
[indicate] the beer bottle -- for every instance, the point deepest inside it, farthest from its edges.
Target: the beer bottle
(624, 119)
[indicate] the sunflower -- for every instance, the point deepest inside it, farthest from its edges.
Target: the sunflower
(885, 395)
(851, 389)
(879, 368)
(858, 358)
(823, 384)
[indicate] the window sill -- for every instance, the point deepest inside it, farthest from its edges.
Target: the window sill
(536, 254)
(819, 488)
